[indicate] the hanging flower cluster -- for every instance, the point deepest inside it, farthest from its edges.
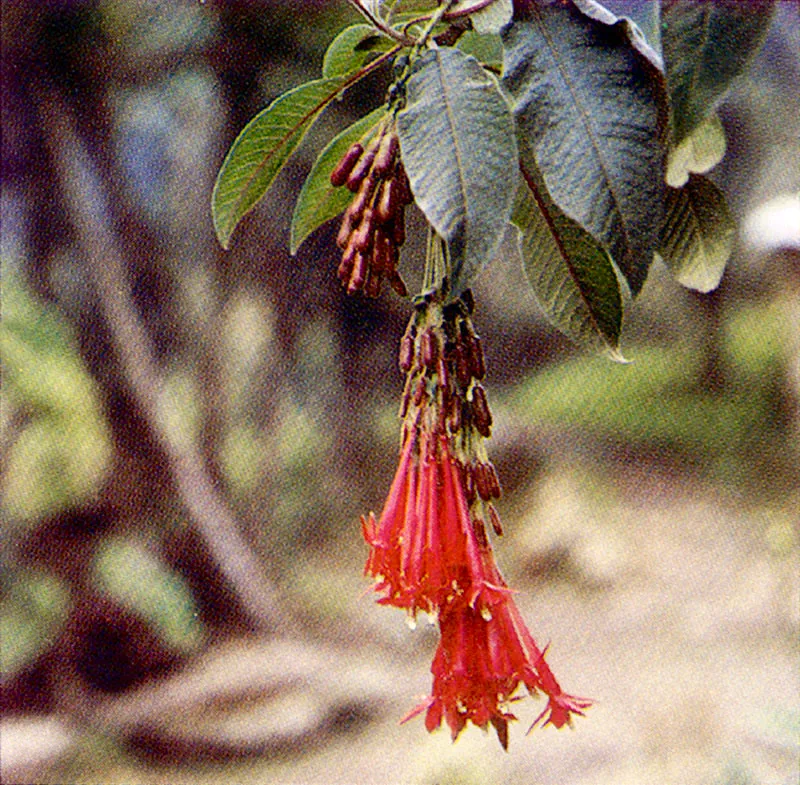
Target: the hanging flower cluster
(429, 549)
(373, 226)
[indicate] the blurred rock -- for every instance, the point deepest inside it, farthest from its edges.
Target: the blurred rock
(31, 745)
(250, 698)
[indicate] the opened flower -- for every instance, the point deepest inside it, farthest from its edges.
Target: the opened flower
(429, 549)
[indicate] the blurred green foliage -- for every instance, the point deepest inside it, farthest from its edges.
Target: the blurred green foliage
(58, 443)
(128, 572)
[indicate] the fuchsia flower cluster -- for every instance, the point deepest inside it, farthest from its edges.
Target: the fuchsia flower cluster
(429, 549)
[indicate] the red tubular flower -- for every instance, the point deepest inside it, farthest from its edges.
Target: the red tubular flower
(424, 549)
(481, 661)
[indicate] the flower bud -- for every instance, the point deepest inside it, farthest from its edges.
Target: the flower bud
(386, 153)
(406, 358)
(361, 170)
(495, 519)
(342, 170)
(481, 415)
(428, 349)
(397, 283)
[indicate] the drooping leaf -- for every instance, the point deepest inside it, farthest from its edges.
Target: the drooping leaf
(590, 100)
(459, 150)
(572, 276)
(699, 152)
(706, 45)
(319, 201)
(352, 49)
(487, 49)
(262, 149)
(698, 234)
(490, 19)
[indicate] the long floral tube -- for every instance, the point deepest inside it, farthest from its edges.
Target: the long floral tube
(424, 549)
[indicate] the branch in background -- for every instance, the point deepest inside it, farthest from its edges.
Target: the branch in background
(208, 512)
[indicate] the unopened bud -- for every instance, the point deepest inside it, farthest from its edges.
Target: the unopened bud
(481, 415)
(386, 153)
(342, 170)
(475, 358)
(397, 283)
(363, 235)
(360, 170)
(463, 374)
(387, 204)
(469, 484)
(482, 482)
(495, 519)
(359, 274)
(406, 358)
(429, 348)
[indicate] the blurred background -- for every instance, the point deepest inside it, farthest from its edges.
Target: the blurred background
(188, 437)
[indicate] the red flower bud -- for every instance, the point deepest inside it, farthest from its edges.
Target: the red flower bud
(481, 415)
(342, 170)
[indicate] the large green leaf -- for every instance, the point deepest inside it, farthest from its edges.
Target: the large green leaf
(490, 19)
(460, 152)
(319, 201)
(706, 45)
(698, 153)
(590, 100)
(698, 234)
(572, 276)
(352, 49)
(262, 149)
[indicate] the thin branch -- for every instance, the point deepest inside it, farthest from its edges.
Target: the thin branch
(87, 203)
(381, 25)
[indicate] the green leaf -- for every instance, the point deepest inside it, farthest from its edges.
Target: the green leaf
(487, 49)
(490, 19)
(706, 45)
(589, 100)
(698, 234)
(352, 49)
(460, 152)
(262, 149)
(698, 153)
(572, 276)
(319, 201)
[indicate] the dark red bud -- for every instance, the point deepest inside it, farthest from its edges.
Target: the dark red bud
(373, 285)
(397, 283)
(361, 170)
(359, 274)
(469, 484)
(406, 358)
(404, 187)
(345, 230)
(479, 527)
(463, 374)
(387, 204)
(495, 519)
(482, 483)
(419, 392)
(363, 235)
(477, 363)
(342, 170)
(428, 348)
(386, 153)
(481, 415)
